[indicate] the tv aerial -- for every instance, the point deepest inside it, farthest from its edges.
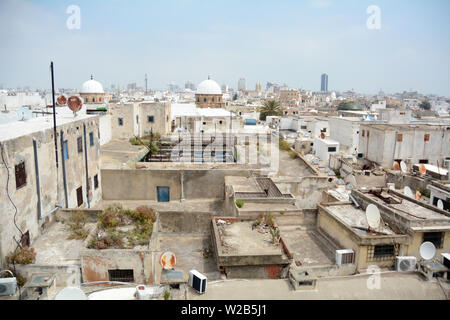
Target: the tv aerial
(427, 250)
(408, 192)
(440, 204)
(373, 216)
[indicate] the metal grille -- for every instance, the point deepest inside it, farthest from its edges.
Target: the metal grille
(121, 275)
(347, 258)
(437, 238)
(80, 144)
(382, 253)
(21, 175)
(80, 196)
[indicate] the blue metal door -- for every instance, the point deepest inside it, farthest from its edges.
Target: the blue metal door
(163, 194)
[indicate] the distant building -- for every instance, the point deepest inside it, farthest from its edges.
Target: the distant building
(209, 95)
(189, 85)
(242, 84)
(225, 88)
(132, 86)
(290, 97)
(324, 82)
(258, 87)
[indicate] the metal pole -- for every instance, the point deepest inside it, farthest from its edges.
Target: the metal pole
(54, 114)
(87, 166)
(38, 184)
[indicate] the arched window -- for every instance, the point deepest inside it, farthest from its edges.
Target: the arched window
(213, 99)
(204, 100)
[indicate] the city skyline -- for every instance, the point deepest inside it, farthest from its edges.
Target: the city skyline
(294, 48)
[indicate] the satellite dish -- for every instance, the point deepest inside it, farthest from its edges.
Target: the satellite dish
(427, 250)
(373, 216)
(396, 166)
(408, 192)
(168, 260)
(440, 204)
(61, 100)
(403, 167)
(322, 135)
(418, 195)
(422, 169)
(24, 114)
(74, 103)
(71, 293)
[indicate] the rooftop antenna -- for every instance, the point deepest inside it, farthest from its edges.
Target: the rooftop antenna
(427, 250)
(54, 114)
(146, 83)
(408, 192)
(373, 217)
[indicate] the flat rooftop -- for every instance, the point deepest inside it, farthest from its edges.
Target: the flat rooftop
(409, 210)
(356, 219)
(240, 238)
(13, 130)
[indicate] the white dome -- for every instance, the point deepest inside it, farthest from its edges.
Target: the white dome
(209, 87)
(92, 86)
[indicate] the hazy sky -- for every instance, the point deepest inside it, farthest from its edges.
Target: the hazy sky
(290, 42)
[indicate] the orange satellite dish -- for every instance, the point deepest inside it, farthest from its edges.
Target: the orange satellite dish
(418, 195)
(168, 260)
(61, 100)
(74, 103)
(422, 169)
(396, 166)
(322, 135)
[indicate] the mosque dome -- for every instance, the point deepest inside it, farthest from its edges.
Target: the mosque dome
(209, 87)
(91, 86)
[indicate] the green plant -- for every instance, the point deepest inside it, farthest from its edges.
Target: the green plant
(166, 295)
(282, 213)
(23, 255)
(270, 221)
(76, 222)
(284, 145)
(239, 203)
(275, 233)
(270, 108)
(293, 154)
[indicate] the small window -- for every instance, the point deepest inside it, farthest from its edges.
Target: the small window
(96, 181)
(150, 119)
(204, 100)
(79, 196)
(121, 275)
(120, 121)
(137, 119)
(220, 122)
(303, 127)
(80, 144)
(381, 252)
(21, 175)
(399, 137)
(332, 149)
(426, 138)
(423, 161)
(204, 123)
(91, 138)
(65, 150)
(437, 238)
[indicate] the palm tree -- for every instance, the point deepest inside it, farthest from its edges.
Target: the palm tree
(270, 108)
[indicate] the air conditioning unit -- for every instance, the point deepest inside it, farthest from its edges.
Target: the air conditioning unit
(8, 286)
(197, 281)
(345, 256)
(406, 264)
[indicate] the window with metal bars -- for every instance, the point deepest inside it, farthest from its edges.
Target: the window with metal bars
(21, 175)
(80, 144)
(437, 238)
(382, 252)
(121, 275)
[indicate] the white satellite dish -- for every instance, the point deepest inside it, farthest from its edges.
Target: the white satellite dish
(427, 250)
(403, 167)
(440, 204)
(24, 114)
(71, 293)
(408, 192)
(373, 216)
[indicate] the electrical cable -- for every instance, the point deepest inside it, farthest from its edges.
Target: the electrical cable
(9, 197)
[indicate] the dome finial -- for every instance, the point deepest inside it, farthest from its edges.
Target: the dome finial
(92, 77)
(209, 77)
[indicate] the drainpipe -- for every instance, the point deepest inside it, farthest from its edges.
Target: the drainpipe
(182, 186)
(38, 185)
(63, 161)
(86, 164)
